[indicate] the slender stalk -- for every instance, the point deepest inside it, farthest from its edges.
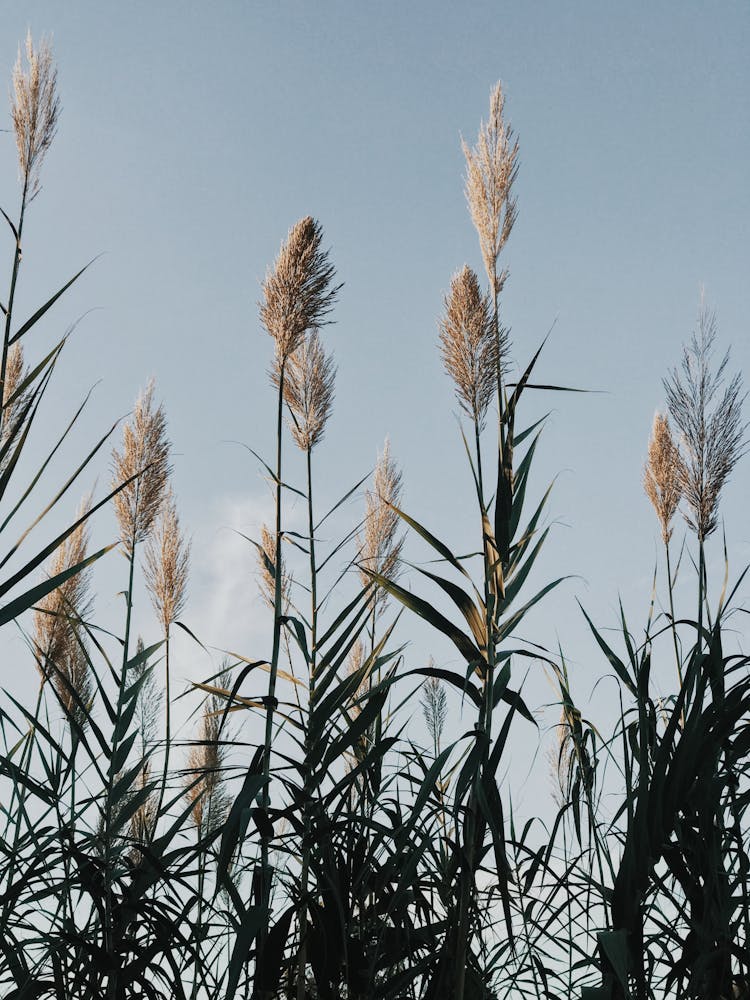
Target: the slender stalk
(678, 661)
(302, 958)
(265, 875)
(168, 732)
(112, 777)
(11, 298)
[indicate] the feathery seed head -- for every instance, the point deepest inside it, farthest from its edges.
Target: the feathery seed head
(469, 346)
(206, 762)
(167, 563)
(14, 402)
(266, 553)
(663, 474)
(35, 109)
(298, 292)
(145, 455)
(491, 169)
(308, 389)
(58, 636)
(434, 708)
(708, 413)
(380, 543)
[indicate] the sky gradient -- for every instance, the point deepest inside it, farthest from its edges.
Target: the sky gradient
(193, 136)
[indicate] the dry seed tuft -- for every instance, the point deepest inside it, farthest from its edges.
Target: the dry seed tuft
(380, 543)
(491, 169)
(145, 455)
(207, 762)
(298, 292)
(14, 402)
(663, 474)
(167, 564)
(267, 570)
(434, 708)
(708, 414)
(308, 390)
(58, 637)
(35, 109)
(468, 346)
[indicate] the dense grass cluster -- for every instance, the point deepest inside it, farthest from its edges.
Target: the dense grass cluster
(302, 845)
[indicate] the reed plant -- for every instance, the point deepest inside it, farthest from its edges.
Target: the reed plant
(305, 842)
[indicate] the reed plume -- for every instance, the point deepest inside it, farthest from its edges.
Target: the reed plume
(663, 474)
(144, 818)
(267, 564)
(560, 756)
(467, 343)
(167, 563)
(145, 456)
(35, 109)
(434, 709)
(491, 169)
(58, 639)
(15, 401)
(15, 374)
(708, 413)
(308, 390)
(150, 697)
(380, 542)
(298, 292)
(204, 776)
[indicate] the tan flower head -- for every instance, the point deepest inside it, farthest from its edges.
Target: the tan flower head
(267, 569)
(468, 345)
(308, 390)
(145, 455)
(167, 564)
(58, 636)
(207, 763)
(298, 292)
(663, 474)
(708, 413)
(380, 542)
(491, 169)
(14, 402)
(35, 109)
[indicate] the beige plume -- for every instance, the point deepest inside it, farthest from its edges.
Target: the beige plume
(468, 346)
(308, 390)
(491, 169)
(58, 636)
(663, 474)
(298, 292)
(145, 456)
(35, 109)
(380, 543)
(167, 564)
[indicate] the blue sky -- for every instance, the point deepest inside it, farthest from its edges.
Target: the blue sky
(194, 135)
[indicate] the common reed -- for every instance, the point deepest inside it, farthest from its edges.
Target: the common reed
(467, 343)
(267, 561)
(380, 541)
(143, 464)
(308, 390)
(205, 770)
(298, 296)
(707, 411)
(491, 169)
(58, 636)
(434, 709)
(298, 291)
(35, 109)
(167, 568)
(167, 563)
(663, 475)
